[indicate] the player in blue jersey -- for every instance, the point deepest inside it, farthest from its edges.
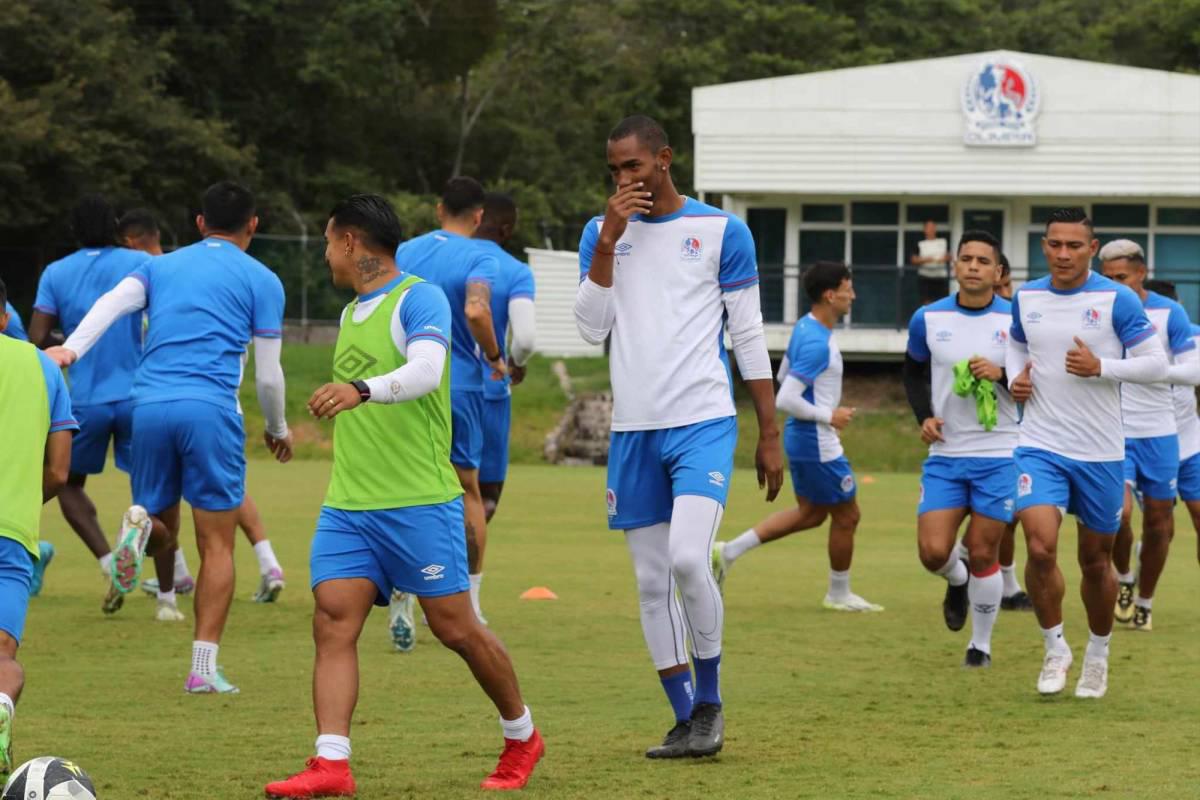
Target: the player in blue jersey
(810, 392)
(205, 302)
(1069, 333)
(466, 272)
(954, 344)
(1152, 454)
(101, 387)
(15, 329)
(35, 415)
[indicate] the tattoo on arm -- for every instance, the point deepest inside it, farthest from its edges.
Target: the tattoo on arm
(479, 293)
(370, 267)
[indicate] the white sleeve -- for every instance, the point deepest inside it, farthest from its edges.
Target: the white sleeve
(126, 297)
(1145, 362)
(1016, 356)
(1186, 369)
(791, 399)
(421, 374)
(594, 311)
(745, 326)
(269, 384)
(523, 322)
(785, 367)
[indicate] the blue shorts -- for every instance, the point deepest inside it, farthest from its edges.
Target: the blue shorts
(987, 486)
(1152, 466)
(189, 449)
(497, 418)
(823, 483)
(647, 470)
(1093, 491)
(466, 418)
(97, 425)
(1189, 479)
(418, 549)
(16, 574)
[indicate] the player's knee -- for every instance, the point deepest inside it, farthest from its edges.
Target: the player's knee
(847, 516)
(933, 555)
(1041, 554)
(688, 566)
(331, 627)
(454, 635)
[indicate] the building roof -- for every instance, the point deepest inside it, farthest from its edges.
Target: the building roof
(1101, 129)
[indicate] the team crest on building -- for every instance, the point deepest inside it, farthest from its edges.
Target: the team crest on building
(1000, 103)
(1091, 318)
(692, 248)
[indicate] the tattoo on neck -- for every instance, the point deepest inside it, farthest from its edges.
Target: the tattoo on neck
(370, 268)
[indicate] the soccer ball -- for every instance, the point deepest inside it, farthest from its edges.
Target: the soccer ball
(49, 778)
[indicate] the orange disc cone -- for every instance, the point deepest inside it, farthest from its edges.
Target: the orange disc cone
(538, 593)
(867, 480)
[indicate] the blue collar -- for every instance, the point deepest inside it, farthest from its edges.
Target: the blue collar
(387, 287)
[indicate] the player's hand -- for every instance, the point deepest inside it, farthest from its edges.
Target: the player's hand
(1021, 387)
(628, 200)
(768, 460)
(332, 399)
(931, 430)
(515, 372)
(1082, 361)
(62, 356)
(983, 369)
(842, 417)
(499, 368)
(280, 448)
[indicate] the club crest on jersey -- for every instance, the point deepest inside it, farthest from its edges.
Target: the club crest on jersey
(1000, 337)
(610, 497)
(1091, 318)
(847, 484)
(1024, 485)
(692, 248)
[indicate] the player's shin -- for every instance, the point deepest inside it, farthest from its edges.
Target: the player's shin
(984, 592)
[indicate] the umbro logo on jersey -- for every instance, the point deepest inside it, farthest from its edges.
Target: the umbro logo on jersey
(943, 336)
(623, 248)
(434, 572)
(716, 479)
(1033, 316)
(352, 362)
(1091, 318)
(692, 248)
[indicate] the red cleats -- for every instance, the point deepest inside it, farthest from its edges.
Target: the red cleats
(516, 763)
(321, 778)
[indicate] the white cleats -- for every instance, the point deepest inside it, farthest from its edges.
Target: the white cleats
(168, 612)
(851, 602)
(1093, 683)
(1053, 678)
(720, 565)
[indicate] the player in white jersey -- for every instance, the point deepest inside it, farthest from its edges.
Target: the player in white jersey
(1151, 439)
(1069, 332)
(665, 275)
(954, 345)
(810, 392)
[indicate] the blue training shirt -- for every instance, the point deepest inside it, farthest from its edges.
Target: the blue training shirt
(62, 416)
(514, 279)
(815, 360)
(451, 262)
(206, 301)
(15, 329)
(68, 289)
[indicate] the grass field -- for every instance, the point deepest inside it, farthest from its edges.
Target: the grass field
(818, 704)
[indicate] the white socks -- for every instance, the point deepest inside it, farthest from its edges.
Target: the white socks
(1097, 646)
(181, 567)
(1009, 576)
(266, 559)
(954, 570)
(1053, 638)
(960, 551)
(334, 748)
(839, 584)
(1143, 602)
(105, 562)
(520, 728)
(984, 594)
(737, 547)
(7, 702)
(204, 659)
(476, 584)
(167, 597)
(1126, 577)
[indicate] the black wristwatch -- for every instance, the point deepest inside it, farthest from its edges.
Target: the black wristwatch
(493, 358)
(364, 391)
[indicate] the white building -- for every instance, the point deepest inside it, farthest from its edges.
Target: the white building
(848, 164)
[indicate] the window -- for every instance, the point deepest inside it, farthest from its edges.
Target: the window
(823, 213)
(874, 213)
(1109, 215)
(822, 246)
(1179, 216)
(918, 214)
(768, 226)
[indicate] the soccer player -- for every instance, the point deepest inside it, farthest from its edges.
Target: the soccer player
(663, 275)
(393, 513)
(971, 438)
(101, 387)
(205, 302)
(138, 230)
(35, 415)
(810, 392)
(1069, 331)
(466, 273)
(15, 329)
(1151, 439)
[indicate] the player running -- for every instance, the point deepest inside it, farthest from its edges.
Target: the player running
(955, 382)
(1151, 439)
(101, 387)
(810, 392)
(393, 513)
(35, 415)
(1069, 331)
(663, 275)
(205, 301)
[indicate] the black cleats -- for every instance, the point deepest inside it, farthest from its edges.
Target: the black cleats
(954, 606)
(675, 745)
(708, 730)
(976, 659)
(1016, 602)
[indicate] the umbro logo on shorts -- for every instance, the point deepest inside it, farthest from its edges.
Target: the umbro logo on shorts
(434, 572)
(716, 479)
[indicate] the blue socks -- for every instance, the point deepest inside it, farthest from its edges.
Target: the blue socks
(708, 679)
(679, 692)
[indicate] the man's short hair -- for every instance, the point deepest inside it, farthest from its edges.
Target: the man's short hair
(94, 222)
(1123, 248)
(462, 194)
(1005, 269)
(137, 222)
(1070, 215)
(499, 209)
(373, 216)
(977, 235)
(1165, 288)
(227, 207)
(648, 132)
(822, 277)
